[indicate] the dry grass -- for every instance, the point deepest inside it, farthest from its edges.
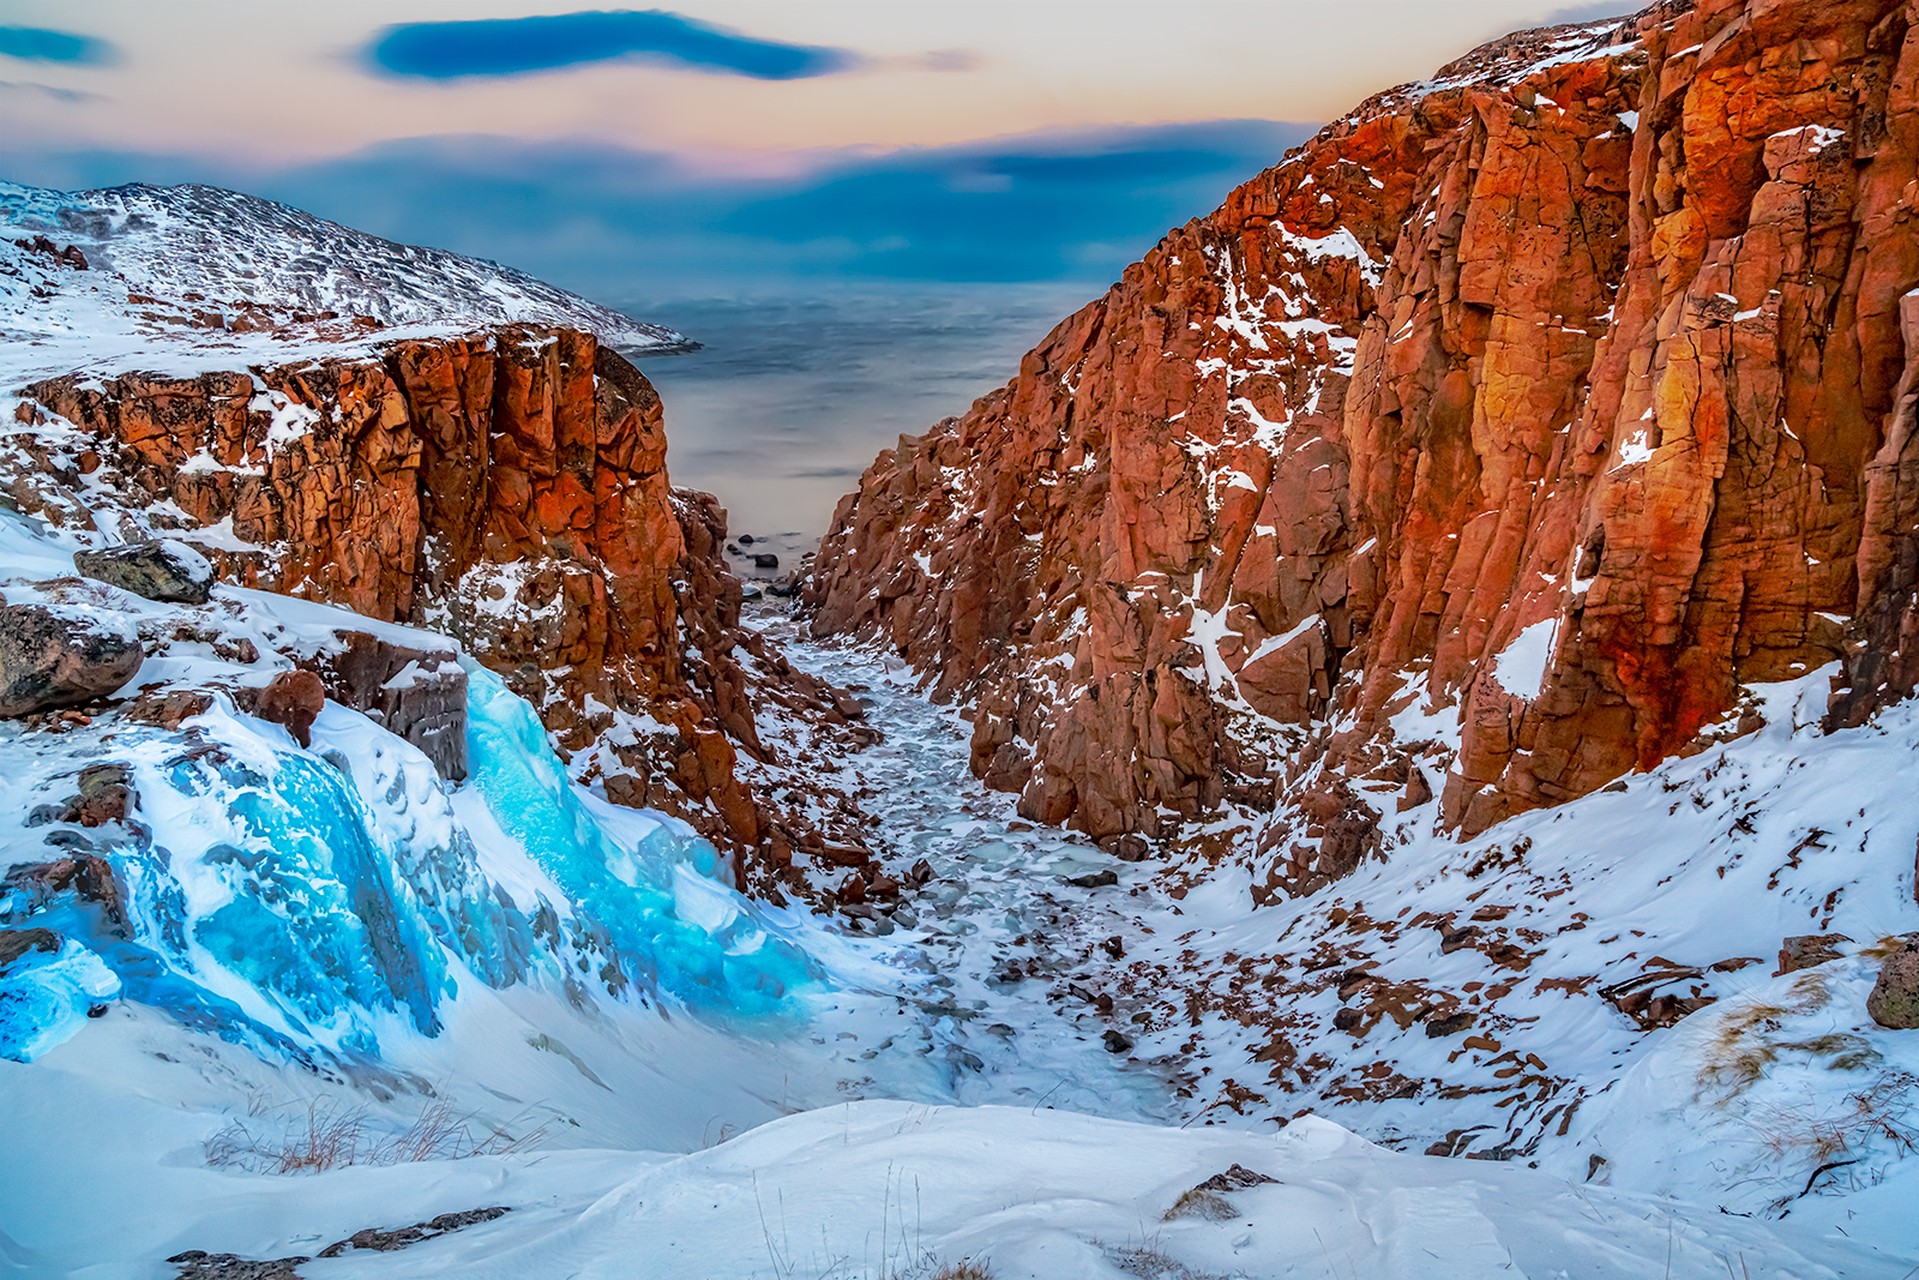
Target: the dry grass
(964, 1269)
(1741, 1051)
(329, 1136)
(1201, 1203)
(1878, 1112)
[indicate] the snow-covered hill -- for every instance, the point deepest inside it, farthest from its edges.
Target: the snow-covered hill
(188, 278)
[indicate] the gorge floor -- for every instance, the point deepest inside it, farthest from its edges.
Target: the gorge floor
(1000, 947)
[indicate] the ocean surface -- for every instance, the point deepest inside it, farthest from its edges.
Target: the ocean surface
(791, 396)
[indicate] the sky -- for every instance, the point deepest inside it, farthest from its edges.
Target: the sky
(720, 146)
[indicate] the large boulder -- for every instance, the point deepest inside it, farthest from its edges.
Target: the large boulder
(60, 658)
(1894, 1001)
(163, 570)
(292, 698)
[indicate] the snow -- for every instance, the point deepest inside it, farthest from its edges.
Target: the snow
(44, 998)
(549, 964)
(190, 279)
(1521, 667)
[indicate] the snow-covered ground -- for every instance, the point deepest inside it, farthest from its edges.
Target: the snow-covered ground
(582, 1024)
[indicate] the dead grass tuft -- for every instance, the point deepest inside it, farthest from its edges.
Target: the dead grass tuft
(329, 1136)
(964, 1269)
(1201, 1203)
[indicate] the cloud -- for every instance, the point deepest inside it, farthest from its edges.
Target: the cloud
(521, 46)
(56, 92)
(42, 44)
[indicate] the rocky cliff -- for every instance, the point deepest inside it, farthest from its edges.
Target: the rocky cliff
(1482, 451)
(503, 484)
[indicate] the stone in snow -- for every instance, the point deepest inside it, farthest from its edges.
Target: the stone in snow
(51, 659)
(158, 570)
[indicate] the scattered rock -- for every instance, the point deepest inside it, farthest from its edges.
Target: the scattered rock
(1803, 951)
(1652, 1012)
(1129, 848)
(105, 795)
(852, 890)
(920, 874)
(1095, 879)
(1114, 946)
(168, 708)
(765, 560)
(88, 876)
(849, 706)
(1237, 1178)
(15, 943)
(1894, 1002)
(400, 1238)
(294, 699)
(746, 539)
(1349, 1019)
(162, 570)
(1450, 1024)
(52, 659)
(197, 1264)
(1115, 1042)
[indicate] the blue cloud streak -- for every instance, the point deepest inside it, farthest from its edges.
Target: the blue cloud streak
(520, 46)
(42, 44)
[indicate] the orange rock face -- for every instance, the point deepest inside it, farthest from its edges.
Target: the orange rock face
(1481, 451)
(508, 488)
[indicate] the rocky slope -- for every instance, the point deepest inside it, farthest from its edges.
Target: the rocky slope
(1485, 449)
(434, 464)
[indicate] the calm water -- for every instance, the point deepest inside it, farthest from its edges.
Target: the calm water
(792, 396)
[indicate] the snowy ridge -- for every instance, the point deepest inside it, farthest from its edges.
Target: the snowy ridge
(143, 276)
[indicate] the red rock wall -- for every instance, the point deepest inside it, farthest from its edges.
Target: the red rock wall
(508, 488)
(1596, 333)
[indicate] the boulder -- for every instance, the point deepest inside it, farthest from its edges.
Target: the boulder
(1894, 1001)
(1803, 951)
(765, 560)
(53, 658)
(104, 794)
(15, 943)
(87, 876)
(165, 570)
(293, 699)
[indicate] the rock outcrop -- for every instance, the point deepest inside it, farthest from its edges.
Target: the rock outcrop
(58, 657)
(166, 570)
(1482, 451)
(507, 488)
